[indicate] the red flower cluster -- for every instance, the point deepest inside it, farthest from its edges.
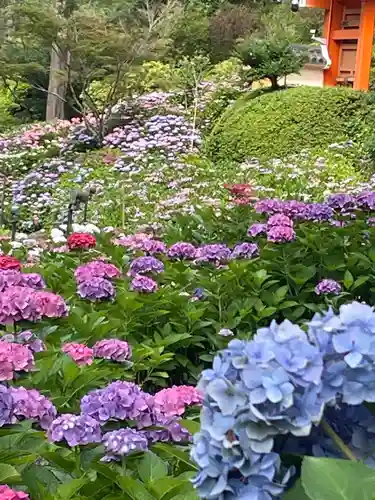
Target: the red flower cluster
(243, 193)
(80, 241)
(7, 262)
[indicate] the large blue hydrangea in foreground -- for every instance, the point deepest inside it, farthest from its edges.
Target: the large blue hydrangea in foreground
(280, 384)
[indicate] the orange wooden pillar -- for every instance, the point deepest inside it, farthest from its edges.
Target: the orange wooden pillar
(332, 22)
(365, 43)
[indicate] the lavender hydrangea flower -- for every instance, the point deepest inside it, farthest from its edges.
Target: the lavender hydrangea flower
(256, 229)
(96, 289)
(6, 405)
(9, 278)
(174, 432)
(113, 349)
(144, 265)
(366, 200)
(119, 401)
(279, 220)
(33, 280)
(280, 234)
(182, 250)
(245, 251)
(123, 442)
(75, 430)
(341, 201)
(143, 284)
(29, 403)
(217, 253)
(318, 212)
(328, 286)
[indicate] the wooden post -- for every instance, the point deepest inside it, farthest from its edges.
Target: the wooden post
(365, 42)
(332, 22)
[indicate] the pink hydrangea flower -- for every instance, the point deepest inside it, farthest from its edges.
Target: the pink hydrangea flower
(96, 269)
(51, 305)
(7, 493)
(113, 349)
(80, 353)
(19, 303)
(14, 357)
(171, 403)
(29, 403)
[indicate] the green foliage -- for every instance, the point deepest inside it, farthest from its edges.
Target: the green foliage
(275, 125)
(271, 58)
(7, 120)
(189, 36)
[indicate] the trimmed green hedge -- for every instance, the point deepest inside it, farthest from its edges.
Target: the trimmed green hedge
(277, 124)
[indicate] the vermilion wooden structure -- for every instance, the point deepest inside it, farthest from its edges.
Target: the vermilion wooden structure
(349, 31)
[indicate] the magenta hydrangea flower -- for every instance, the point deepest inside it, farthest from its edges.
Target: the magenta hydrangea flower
(144, 265)
(143, 284)
(123, 442)
(79, 353)
(119, 401)
(113, 349)
(182, 250)
(280, 234)
(19, 303)
(257, 229)
(96, 269)
(328, 286)
(96, 289)
(279, 220)
(213, 253)
(14, 358)
(171, 403)
(7, 493)
(51, 305)
(9, 278)
(245, 251)
(30, 404)
(75, 430)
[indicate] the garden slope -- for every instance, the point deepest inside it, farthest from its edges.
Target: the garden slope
(274, 125)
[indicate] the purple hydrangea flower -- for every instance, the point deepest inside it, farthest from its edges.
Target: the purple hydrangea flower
(32, 342)
(341, 202)
(213, 253)
(268, 206)
(151, 246)
(172, 432)
(279, 220)
(257, 229)
(119, 401)
(96, 289)
(75, 429)
(280, 234)
(113, 349)
(143, 284)
(318, 212)
(245, 251)
(19, 303)
(33, 280)
(144, 265)
(182, 250)
(122, 442)
(366, 200)
(29, 403)
(9, 278)
(6, 405)
(328, 286)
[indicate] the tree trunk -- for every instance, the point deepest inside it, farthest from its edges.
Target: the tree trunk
(57, 86)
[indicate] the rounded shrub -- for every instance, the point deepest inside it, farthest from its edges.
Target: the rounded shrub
(277, 124)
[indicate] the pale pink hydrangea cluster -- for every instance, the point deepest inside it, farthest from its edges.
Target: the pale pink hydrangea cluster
(113, 349)
(21, 303)
(96, 269)
(79, 353)
(14, 358)
(170, 403)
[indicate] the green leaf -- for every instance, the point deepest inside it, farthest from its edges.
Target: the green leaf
(191, 425)
(67, 490)
(328, 479)
(152, 467)
(176, 453)
(135, 489)
(348, 279)
(296, 493)
(169, 486)
(8, 473)
(360, 281)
